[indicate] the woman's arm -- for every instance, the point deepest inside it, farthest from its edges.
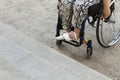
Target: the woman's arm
(106, 9)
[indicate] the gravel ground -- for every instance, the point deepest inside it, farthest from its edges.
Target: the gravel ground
(37, 19)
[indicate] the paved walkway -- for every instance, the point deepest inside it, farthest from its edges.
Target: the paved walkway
(23, 58)
(37, 19)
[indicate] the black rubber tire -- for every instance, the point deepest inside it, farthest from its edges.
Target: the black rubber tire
(89, 52)
(98, 34)
(58, 43)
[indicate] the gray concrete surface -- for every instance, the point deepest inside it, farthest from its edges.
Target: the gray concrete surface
(37, 19)
(23, 58)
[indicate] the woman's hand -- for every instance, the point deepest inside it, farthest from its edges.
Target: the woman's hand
(106, 12)
(106, 9)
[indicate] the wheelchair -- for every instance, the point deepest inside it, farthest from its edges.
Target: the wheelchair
(107, 30)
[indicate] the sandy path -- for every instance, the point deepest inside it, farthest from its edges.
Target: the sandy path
(37, 19)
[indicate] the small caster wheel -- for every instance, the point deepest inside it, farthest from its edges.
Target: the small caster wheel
(58, 42)
(89, 52)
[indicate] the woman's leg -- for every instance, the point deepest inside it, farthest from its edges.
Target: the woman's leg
(77, 20)
(80, 11)
(65, 12)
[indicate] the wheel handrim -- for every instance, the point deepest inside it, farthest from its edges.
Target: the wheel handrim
(109, 32)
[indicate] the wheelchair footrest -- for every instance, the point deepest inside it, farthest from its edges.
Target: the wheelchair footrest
(74, 43)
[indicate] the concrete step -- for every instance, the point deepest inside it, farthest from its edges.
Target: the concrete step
(23, 58)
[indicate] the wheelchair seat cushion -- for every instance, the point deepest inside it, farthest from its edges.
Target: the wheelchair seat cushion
(94, 10)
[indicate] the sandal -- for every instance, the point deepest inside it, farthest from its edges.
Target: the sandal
(61, 35)
(67, 38)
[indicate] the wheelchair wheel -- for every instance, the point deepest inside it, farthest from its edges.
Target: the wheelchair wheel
(108, 30)
(58, 43)
(89, 52)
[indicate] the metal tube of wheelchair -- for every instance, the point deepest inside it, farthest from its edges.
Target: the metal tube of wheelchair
(112, 2)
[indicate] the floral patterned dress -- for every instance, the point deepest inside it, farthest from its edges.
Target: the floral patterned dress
(73, 12)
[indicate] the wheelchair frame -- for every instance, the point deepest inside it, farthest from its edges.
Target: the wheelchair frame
(82, 32)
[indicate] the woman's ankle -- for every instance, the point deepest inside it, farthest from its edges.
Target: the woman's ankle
(72, 35)
(77, 31)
